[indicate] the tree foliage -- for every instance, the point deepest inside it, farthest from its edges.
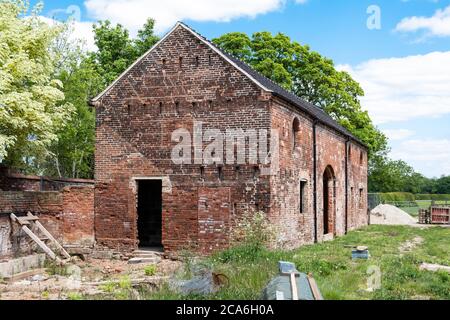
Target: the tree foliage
(32, 107)
(84, 75)
(396, 175)
(310, 76)
(116, 50)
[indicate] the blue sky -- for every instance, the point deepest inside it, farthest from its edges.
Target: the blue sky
(404, 66)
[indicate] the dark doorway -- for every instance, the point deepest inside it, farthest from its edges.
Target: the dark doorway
(328, 201)
(149, 211)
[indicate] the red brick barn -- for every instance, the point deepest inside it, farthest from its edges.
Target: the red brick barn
(143, 198)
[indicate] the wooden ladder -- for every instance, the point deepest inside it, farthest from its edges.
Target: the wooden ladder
(27, 223)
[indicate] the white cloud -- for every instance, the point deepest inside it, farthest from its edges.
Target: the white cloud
(133, 13)
(84, 31)
(401, 89)
(81, 31)
(398, 134)
(431, 157)
(436, 25)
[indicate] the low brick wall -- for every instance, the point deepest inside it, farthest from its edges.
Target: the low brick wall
(68, 214)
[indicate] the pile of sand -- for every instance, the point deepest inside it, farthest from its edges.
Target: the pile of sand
(390, 215)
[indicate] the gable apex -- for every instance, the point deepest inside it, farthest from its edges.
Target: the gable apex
(198, 36)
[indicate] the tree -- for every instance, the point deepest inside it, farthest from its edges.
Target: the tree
(32, 107)
(116, 50)
(146, 38)
(310, 76)
(84, 75)
(391, 176)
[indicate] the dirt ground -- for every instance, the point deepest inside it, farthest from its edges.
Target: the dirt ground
(83, 279)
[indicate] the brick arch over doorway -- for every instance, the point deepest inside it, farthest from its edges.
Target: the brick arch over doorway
(329, 201)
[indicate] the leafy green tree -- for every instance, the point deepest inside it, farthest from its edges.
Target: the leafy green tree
(116, 50)
(146, 38)
(310, 76)
(32, 107)
(443, 185)
(84, 75)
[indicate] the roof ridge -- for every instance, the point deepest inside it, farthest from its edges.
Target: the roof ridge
(257, 77)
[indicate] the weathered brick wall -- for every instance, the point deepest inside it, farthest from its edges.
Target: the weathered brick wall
(135, 121)
(296, 164)
(331, 154)
(14, 181)
(68, 215)
(184, 81)
(357, 188)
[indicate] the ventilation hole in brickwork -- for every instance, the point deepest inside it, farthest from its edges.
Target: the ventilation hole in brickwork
(220, 173)
(160, 108)
(128, 108)
(295, 133)
(256, 172)
(177, 107)
(361, 158)
(238, 170)
(180, 62)
(194, 105)
(210, 104)
(164, 62)
(202, 173)
(234, 208)
(197, 61)
(210, 60)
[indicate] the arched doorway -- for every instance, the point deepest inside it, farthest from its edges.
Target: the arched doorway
(329, 196)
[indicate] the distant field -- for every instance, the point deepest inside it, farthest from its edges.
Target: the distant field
(421, 204)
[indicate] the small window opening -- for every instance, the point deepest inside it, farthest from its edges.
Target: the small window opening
(202, 173)
(256, 172)
(197, 61)
(160, 108)
(303, 185)
(129, 108)
(177, 107)
(210, 104)
(210, 60)
(220, 173)
(361, 198)
(164, 62)
(295, 132)
(361, 158)
(180, 62)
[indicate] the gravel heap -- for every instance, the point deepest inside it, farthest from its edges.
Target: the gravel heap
(390, 215)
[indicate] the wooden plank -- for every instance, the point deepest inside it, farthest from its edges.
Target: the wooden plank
(24, 275)
(294, 286)
(314, 288)
(51, 238)
(41, 244)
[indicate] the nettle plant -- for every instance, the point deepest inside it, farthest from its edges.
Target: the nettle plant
(253, 229)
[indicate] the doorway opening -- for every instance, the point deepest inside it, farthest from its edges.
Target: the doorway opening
(329, 191)
(149, 213)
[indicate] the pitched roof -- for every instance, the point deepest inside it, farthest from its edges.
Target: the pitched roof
(262, 81)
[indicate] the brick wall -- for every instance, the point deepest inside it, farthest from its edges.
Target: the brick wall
(184, 81)
(68, 215)
(135, 121)
(14, 181)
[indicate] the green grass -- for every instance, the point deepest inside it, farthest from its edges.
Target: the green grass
(338, 276)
